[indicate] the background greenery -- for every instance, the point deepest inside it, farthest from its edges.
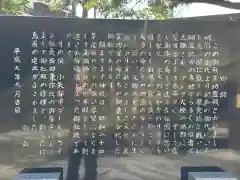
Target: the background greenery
(160, 9)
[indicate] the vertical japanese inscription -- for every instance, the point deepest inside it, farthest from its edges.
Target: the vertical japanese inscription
(17, 78)
(165, 90)
(48, 90)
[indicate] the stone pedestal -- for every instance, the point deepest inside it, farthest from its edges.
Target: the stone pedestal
(185, 170)
(211, 176)
(40, 173)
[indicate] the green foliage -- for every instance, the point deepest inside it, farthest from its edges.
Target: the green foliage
(54, 5)
(160, 11)
(120, 9)
(19, 7)
(114, 8)
(92, 4)
(15, 7)
(106, 8)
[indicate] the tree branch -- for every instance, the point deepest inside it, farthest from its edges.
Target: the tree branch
(222, 3)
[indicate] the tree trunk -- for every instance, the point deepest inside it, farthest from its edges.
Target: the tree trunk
(94, 12)
(2, 4)
(74, 8)
(85, 11)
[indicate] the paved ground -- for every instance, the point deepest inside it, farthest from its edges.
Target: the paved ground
(140, 167)
(134, 167)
